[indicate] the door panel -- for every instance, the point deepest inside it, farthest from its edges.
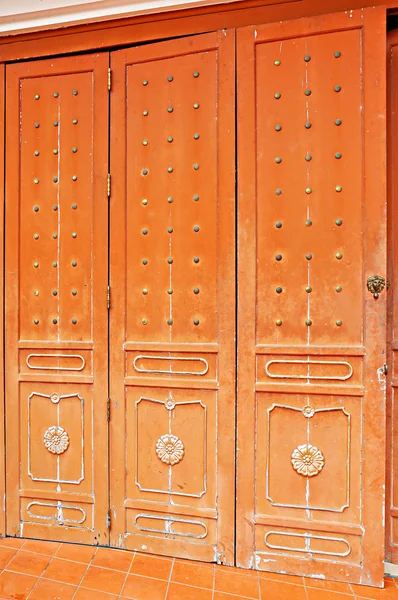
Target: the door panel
(56, 307)
(173, 308)
(310, 335)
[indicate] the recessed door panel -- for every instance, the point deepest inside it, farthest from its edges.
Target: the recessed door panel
(172, 314)
(56, 299)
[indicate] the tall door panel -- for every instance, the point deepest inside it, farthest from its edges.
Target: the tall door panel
(311, 335)
(173, 309)
(56, 299)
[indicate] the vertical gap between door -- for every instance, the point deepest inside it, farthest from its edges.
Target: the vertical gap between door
(236, 294)
(3, 91)
(109, 521)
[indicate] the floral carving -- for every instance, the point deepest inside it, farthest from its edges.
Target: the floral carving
(308, 411)
(56, 440)
(170, 449)
(307, 460)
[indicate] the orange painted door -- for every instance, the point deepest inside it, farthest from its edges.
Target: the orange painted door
(173, 298)
(56, 299)
(311, 335)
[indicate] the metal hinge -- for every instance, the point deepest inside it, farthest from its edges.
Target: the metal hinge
(109, 79)
(108, 186)
(108, 519)
(108, 409)
(108, 297)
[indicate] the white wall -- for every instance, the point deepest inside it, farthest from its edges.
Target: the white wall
(18, 16)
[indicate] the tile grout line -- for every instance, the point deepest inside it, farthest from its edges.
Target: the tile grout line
(169, 580)
(44, 570)
(85, 573)
(127, 574)
(213, 591)
(12, 558)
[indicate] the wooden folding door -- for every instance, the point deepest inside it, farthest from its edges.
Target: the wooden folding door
(311, 303)
(56, 299)
(172, 297)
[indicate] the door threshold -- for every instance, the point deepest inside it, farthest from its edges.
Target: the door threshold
(390, 570)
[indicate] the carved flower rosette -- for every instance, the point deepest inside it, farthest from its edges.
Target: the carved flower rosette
(307, 460)
(56, 439)
(170, 449)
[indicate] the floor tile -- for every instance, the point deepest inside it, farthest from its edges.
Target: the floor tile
(6, 554)
(41, 547)
(52, 590)
(389, 592)
(83, 554)
(29, 563)
(84, 594)
(234, 583)
(12, 542)
(185, 592)
(273, 590)
(103, 580)
(151, 566)
(113, 559)
(65, 571)
(223, 596)
(295, 579)
(143, 588)
(193, 574)
(321, 584)
(316, 594)
(15, 585)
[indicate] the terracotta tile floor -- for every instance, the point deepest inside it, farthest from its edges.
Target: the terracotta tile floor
(33, 570)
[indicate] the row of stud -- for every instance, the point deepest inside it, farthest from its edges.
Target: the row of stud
(169, 291)
(55, 123)
(195, 259)
(308, 322)
(170, 199)
(308, 158)
(55, 235)
(55, 179)
(170, 139)
(195, 228)
(307, 58)
(37, 208)
(337, 89)
(308, 289)
(170, 78)
(55, 321)
(56, 94)
(55, 151)
(144, 321)
(54, 292)
(170, 109)
(170, 169)
(338, 255)
(337, 122)
(36, 265)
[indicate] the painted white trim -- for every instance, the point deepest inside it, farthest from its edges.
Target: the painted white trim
(390, 570)
(21, 16)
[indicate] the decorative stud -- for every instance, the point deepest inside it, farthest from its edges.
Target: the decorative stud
(196, 321)
(37, 153)
(338, 155)
(37, 96)
(308, 256)
(196, 167)
(338, 222)
(278, 322)
(308, 322)
(144, 202)
(170, 199)
(170, 109)
(55, 321)
(278, 191)
(170, 229)
(144, 291)
(308, 289)
(37, 125)
(337, 54)
(74, 321)
(308, 223)
(55, 123)
(36, 265)
(196, 290)
(74, 234)
(196, 74)
(339, 255)
(277, 95)
(196, 259)
(337, 88)
(144, 231)
(36, 180)
(338, 122)
(36, 321)
(308, 190)
(308, 157)
(196, 198)
(55, 236)
(55, 179)
(74, 293)
(75, 93)
(338, 289)
(144, 321)
(196, 105)
(196, 228)
(55, 151)
(145, 113)
(36, 293)
(144, 261)
(307, 92)
(145, 171)
(170, 169)
(339, 322)
(74, 149)
(55, 292)
(74, 206)
(36, 208)
(170, 260)
(169, 139)
(308, 125)
(338, 188)
(145, 82)
(170, 291)
(55, 207)
(307, 58)
(278, 257)
(74, 177)
(56, 94)
(277, 63)
(36, 236)
(74, 263)
(278, 127)
(278, 160)
(75, 121)
(169, 321)
(278, 290)
(196, 136)
(278, 224)
(170, 78)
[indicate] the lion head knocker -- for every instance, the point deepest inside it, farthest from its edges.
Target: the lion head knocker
(376, 285)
